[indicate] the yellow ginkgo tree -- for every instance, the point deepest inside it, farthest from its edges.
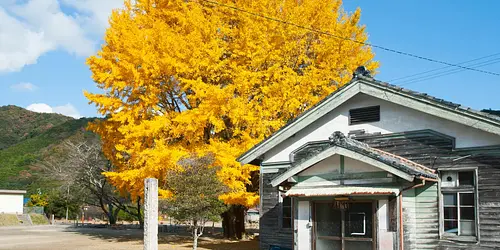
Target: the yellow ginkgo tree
(183, 77)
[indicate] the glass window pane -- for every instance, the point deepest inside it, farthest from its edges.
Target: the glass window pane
(357, 224)
(355, 216)
(466, 199)
(356, 245)
(287, 201)
(328, 220)
(287, 222)
(467, 228)
(450, 199)
(467, 213)
(451, 226)
(323, 244)
(450, 213)
(466, 178)
(287, 212)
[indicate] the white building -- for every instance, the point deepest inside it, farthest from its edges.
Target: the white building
(11, 201)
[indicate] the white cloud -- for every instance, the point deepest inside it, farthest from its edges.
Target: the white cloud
(32, 28)
(40, 108)
(24, 86)
(67, 110)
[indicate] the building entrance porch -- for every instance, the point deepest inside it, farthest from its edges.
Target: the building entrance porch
(344, 225)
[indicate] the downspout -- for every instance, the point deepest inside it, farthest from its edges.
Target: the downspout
(401, 233)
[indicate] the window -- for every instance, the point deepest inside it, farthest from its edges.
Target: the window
(357, 223)
(459, 202)
(364, 115)
(286, 215)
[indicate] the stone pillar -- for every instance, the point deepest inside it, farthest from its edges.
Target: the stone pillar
(150, 214)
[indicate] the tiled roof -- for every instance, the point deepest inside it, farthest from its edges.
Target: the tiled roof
(436, 100)
(400, 163)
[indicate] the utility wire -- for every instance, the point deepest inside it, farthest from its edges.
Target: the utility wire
(446, 67)
(346, 38)
(449, 72)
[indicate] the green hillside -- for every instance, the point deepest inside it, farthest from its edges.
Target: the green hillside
(27, 146)
(18, 124)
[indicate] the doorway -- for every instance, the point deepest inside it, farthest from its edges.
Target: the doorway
(344, 225)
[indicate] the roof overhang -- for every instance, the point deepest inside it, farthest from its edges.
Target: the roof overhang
(296, 191)
(340, 151)
(382, 91)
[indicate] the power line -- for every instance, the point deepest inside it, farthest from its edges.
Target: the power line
(348, 39)
(433, 70)
(449, 72)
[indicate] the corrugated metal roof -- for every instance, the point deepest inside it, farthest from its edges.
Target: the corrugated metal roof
(338, 191)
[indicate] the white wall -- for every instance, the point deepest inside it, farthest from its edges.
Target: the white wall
(331, 165)
(393, 118)
(303, 226)
(11, 203)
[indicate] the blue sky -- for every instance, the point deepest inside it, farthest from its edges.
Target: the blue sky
(44, 43)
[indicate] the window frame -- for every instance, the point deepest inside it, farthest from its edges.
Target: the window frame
(364, 223)
(282, 209)
(457, 191)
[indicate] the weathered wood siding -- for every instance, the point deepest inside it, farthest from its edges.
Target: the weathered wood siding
(427, 216)
(270, 232)
(421, 218)
(409, 220)
(437, 151)
(489, 206)
(421, 207)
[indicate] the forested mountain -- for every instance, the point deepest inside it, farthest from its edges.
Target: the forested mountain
(25, 138)
(18, 124)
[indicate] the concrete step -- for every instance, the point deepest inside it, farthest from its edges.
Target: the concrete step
(25, 219)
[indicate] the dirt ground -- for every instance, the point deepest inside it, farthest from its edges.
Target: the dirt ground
(66, 237)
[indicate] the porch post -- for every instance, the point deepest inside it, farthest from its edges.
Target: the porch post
(304, 224)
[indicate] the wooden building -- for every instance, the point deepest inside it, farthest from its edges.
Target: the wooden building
(376, 166)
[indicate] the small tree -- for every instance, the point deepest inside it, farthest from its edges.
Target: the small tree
(38, 200)
(196, 190)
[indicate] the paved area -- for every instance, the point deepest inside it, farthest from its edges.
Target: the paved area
(66, 237)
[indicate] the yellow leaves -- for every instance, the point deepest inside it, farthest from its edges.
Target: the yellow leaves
(242, 198)
(164, 194)
(38, 200)
(187, 77)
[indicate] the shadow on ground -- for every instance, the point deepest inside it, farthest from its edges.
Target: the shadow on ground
(180, 238)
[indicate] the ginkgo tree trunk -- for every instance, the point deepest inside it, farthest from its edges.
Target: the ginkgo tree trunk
(180, 77)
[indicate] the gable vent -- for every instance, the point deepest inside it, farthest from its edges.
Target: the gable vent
(364, 115)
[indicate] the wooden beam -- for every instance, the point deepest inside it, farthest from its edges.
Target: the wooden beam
(347, 176)
(340, 151)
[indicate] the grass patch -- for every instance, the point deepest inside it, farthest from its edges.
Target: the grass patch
(39, 219)
(8, 220)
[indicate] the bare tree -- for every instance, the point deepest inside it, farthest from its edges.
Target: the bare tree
(78, 165)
